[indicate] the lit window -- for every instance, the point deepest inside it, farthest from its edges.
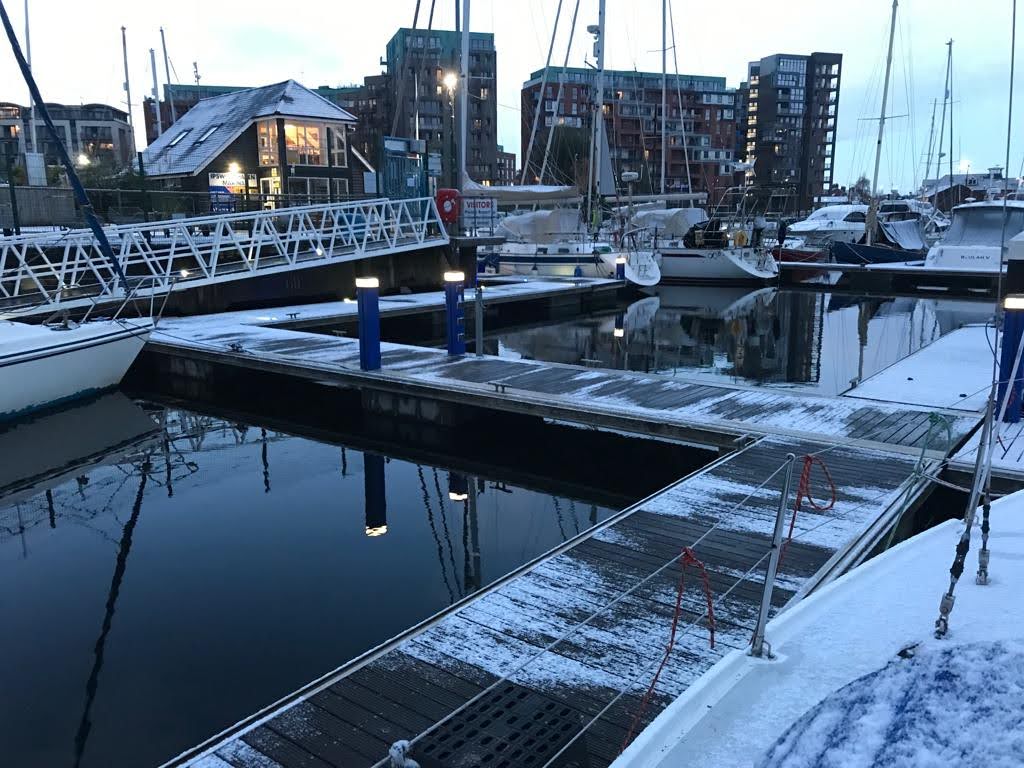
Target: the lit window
(177, 139)
(266, 131)
(207, 134)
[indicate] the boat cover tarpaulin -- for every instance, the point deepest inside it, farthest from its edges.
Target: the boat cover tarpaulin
(903, 234)
(541, 226)
(517, 193)
(673, 222)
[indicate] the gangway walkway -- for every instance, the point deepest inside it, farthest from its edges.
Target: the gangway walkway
(44, 272)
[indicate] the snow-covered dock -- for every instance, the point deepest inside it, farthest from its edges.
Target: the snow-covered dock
(716, 415)
(557, 655)
(530, 662)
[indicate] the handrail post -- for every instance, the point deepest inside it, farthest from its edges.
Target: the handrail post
(758, 642)
(478, 319)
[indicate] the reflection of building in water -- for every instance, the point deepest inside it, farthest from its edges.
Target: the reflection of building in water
(760, 336)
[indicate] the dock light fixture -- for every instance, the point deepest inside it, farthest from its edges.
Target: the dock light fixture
(454, 277)
(183, 273)
(368, 311)
(620, 268)
(234, 167)
(450, 81)
(454, 496)
(82, 159)
(1013, 302)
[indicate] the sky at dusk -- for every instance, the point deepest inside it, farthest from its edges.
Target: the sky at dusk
(76, 49)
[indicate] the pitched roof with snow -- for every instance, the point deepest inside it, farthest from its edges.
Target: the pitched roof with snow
(203, 132)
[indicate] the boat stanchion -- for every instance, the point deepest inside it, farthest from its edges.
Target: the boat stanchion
(758, 643)
(454, 294)
(478, 319)
(368, 301)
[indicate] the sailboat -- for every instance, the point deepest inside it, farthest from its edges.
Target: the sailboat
(41, 365)
(885, 241)
(557, 242)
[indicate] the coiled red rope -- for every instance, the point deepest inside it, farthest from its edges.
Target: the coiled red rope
(803, 491)
(686, 557)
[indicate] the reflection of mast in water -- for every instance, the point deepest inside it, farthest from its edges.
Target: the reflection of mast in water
(266, 463)
(344, 462)
(92, 684)
(465, 490)
(50, 509)
(433, 530)
(375, 494)
(444, 525)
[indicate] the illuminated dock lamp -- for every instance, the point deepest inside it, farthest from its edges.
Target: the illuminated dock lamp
(1013, 330)
(368, 310)
(620, 268)
(450, 81)
(454, 293)
(234, 167)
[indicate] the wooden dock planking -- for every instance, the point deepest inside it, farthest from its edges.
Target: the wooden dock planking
(352, 718)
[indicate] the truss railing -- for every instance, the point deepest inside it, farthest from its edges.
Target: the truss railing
(42, 272)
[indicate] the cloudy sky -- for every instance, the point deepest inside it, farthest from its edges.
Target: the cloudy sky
(76, 49)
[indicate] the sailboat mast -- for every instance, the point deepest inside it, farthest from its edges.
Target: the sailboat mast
(167, 74)
(156, 94)
(931, 142)
(664, 89)
(873, 210)
(594, 174)
(950, 44)
(464, 94)
(942, 124)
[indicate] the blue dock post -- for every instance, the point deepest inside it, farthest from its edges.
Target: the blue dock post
(368, 300)
(375, 492)
(1013, 329)
(454, 292)
(620, 268)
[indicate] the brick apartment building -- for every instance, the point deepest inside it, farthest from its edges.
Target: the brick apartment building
(700, 108)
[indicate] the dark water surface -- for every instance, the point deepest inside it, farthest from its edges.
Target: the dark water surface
(166, 574)
(814, 342)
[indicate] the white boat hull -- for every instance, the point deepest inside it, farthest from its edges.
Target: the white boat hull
(972, 258)
(717, 264)
(42, 366)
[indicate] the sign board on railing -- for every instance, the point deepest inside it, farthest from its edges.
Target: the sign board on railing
(479, 212)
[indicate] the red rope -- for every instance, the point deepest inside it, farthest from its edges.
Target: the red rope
(686, 557)
(803, 491)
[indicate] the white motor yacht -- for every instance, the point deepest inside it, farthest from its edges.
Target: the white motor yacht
(973, 239)
(843, 223)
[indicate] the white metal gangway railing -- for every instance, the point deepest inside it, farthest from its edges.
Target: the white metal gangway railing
(43, 272)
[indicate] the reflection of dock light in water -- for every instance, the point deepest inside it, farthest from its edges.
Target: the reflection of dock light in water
(458, 487)
(375, 494)
(620, 326)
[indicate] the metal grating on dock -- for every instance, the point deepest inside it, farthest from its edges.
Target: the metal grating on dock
(528, 701)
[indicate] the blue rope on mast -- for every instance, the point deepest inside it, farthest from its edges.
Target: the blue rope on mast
(76, 184)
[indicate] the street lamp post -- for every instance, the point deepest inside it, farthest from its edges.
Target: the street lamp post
(451, 81)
